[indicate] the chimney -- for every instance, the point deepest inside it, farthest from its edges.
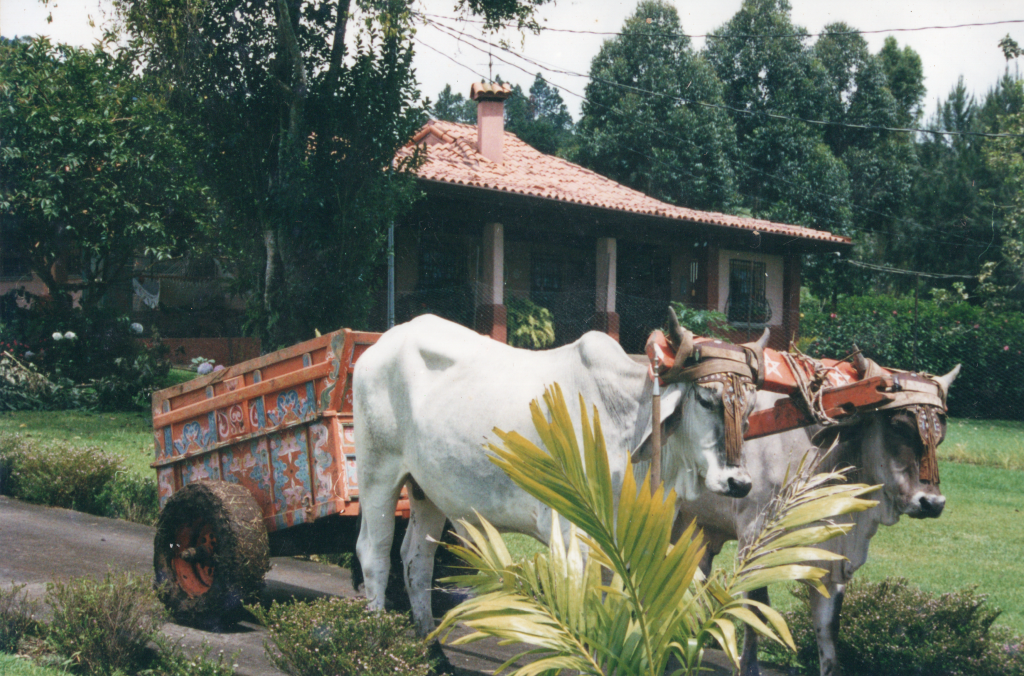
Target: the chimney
(490, 118)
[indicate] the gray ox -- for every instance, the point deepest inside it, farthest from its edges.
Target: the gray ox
(429, 393)
(883, 447)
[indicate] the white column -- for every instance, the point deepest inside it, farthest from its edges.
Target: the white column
(493, 264)
(606, 274)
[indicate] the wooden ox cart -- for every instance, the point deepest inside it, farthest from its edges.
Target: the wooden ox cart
(255, 459)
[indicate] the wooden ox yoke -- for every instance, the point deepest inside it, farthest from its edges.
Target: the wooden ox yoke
(825, 391)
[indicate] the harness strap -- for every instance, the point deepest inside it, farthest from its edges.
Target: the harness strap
(930, 429)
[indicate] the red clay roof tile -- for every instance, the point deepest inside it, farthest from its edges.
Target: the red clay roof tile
(452, 158)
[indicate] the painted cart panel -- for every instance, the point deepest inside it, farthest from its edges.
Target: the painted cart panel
(279, 425)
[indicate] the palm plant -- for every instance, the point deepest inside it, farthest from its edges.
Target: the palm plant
(612, 594)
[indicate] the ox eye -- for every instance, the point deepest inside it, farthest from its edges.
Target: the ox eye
(708, 401)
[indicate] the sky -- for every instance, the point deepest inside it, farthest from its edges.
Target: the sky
(441, 59)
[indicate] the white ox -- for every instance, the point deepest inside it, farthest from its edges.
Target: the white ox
(882, 447)
(430, 392)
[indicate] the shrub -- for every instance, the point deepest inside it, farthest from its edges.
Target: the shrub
(710, 323)
(24, 388)
(173, 662)
(75, 477)
(104, 626)
(988, 344)
(131, 497)
(57, 474)
(890, 628)
(337, 637)
(15, 617)
(530, 325)
(98, 348)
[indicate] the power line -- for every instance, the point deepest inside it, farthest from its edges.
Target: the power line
(743, 36)
(900, 271)
(741, 111)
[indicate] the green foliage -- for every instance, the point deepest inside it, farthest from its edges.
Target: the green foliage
(103, 626)
(94, 347)
(890, 628)
(337, 637)
(16, 617)
(710, 323)
(453, 107)
(24, 388)
(530, 325)
(94, 168)
(540, 119)
(987, 344)
(174, 662)
(646, 121)
(317, 130)
(656, 606)
(83, 478)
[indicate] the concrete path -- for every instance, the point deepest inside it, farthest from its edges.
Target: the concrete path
(42, 544)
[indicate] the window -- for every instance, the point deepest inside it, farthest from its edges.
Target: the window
(545, 273)
(442, 265)
(747, 303)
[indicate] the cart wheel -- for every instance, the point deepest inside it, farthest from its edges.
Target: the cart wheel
(210, 553)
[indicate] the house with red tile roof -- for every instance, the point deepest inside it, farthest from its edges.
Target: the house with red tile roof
(502, 221)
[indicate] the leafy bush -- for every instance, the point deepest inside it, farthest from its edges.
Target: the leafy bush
(337, 637)
(530, 325)
(130, 497)
(709, 323)
(890, 628)
(104, 626)
(24, 388)
(15, 617)
(173, 662)
(74, 477)
(99, 348)
(989, 345)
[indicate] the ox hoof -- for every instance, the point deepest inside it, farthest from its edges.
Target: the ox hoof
(440, 663)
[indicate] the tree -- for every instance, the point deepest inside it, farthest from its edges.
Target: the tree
(650, 119)
(93, 168)
(453, 107)
(905, 76)
(771, 82)
(298, 127)
(541, 119)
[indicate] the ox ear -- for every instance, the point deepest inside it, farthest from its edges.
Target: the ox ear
(670, 417)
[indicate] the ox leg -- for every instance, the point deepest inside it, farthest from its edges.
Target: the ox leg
(426, 525)
(825, 617)
(376, 532)
(748, 660)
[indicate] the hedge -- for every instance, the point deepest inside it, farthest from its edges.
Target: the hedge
(987, 344)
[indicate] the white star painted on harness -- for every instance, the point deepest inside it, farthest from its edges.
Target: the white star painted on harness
(771, 366)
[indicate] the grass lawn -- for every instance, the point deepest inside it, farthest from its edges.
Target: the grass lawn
(993, 443)
(126, 435)
(977, 541)
(10, 665)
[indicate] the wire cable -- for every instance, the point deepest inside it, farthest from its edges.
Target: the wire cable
(743, 36)
(462, 35)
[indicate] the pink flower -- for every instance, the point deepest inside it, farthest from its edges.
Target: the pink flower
(832, 316)
(975, 326)
(894, 313)
(1006, 348)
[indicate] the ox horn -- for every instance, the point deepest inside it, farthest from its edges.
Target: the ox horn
(680, 338)
(947, 380)
(859, 362)
(757, 349)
